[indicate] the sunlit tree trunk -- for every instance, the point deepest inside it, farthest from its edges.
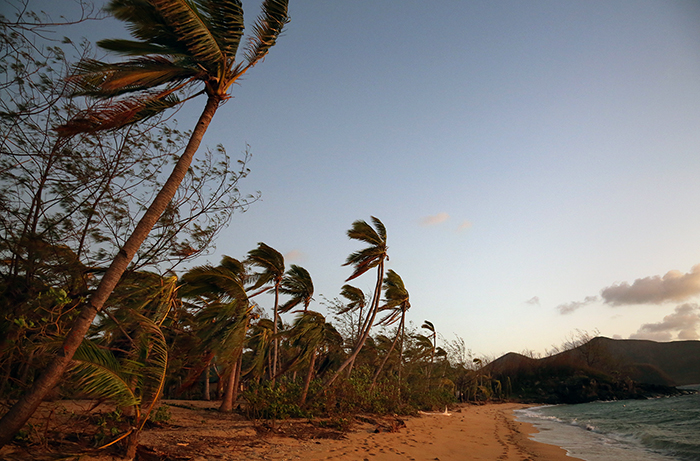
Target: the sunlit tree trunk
(23, 409)
(370, 321)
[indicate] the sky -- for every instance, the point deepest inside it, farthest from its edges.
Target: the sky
(536, 164)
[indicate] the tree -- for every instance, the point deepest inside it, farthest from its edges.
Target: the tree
(297, 283)
(125, 359)
(309, 333)
(362, 261)
(433, 337)
(357, 301)
(222, 321)
(178, 44)
(271, 262)
(396, 300)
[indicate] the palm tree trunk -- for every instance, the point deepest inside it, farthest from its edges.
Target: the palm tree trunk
(388, 354)
(23, 409)
(207, 388)
(403, 335)
(372, 314)
(275, 343)
(307, 381)
(227, 401)
(237, 382)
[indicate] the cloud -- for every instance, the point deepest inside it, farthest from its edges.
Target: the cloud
(535, 301)
(464, 225)
(434, 219)
(568, 308)
(294, 255)
(684, 322)
(674, 286)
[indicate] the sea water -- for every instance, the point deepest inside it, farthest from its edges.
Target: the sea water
(660, 429)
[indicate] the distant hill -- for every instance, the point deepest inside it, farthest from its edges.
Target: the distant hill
(600, 369)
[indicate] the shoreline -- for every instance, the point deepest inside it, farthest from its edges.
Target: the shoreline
(470, 432)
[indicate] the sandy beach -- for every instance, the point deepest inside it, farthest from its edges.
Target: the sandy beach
(487, 432)
(197, 432)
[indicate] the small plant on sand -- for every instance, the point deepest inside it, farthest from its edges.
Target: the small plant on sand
(161, 415)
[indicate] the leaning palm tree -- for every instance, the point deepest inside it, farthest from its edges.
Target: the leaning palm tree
(269, 279)
(396, 302)
(309, 333)
(222, 319)
(364, 260)
(433, 337)
(179, 44)
(358, 302)
(297, 283)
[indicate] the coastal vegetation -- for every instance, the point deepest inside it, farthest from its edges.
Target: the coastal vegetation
(95, 303)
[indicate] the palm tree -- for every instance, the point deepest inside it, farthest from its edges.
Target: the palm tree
(357, 301)
(364, 260)
(260, 342)
(223, 319)
(271, 262)
(298, 284)
(309, 333)
(433, 337)
(126, 358)
(396, 301)
(179, 44)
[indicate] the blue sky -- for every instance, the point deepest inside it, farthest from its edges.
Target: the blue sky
(523, 156)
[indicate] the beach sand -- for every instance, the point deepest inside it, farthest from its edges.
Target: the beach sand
(471, 432)
(487, 432)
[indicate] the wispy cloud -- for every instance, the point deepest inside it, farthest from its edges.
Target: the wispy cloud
(534, 301)
(434, 219)
(464, 225)
(682, 324)
(674, 286)
(573, 306)
(294, 255)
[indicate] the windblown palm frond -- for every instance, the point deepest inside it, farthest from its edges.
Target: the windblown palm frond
(100, 374)
(396, 298)
(178, 43)
(270, 261)
(103, 375)
(267, 28)
(298, 284)
(223, 281)
(371, 256)
(356, 297)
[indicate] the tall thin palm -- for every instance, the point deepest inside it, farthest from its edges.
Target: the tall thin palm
(223, 318)
(309, 333)
(396, 301)
(368, 258)
(357, 301)
(297, 283)
(433, 337)
(271, 262)
(179, 44)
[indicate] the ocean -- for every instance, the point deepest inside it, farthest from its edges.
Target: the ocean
(661, 429)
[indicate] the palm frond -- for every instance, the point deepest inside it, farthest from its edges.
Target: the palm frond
(267, 28)
(118, 114)
(101, 374)
(143, 20)
(270, 261)
(193, 31)
(298, 284)
(106, 80)
(224, 280)
(225, 23)
(136, 48)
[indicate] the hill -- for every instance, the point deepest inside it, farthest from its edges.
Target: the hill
(601, 369)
